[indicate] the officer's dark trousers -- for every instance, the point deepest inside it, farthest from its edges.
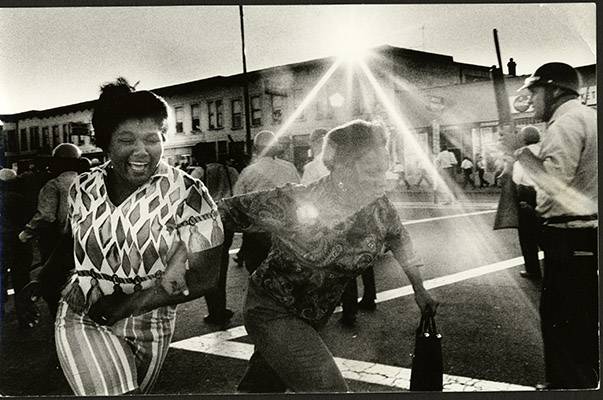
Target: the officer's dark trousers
(529, 229)
(569, 307)
(216, 300)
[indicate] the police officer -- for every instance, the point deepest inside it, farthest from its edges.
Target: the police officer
(565, 174)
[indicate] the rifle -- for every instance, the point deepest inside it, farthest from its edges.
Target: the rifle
(507, 214)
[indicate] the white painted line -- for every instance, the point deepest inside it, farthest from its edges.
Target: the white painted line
(419, 221)
(219, 343)
(450, 279)
(375, 373)
(426, 205)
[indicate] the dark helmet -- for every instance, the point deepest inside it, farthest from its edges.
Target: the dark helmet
(66, 150)
(555, 74)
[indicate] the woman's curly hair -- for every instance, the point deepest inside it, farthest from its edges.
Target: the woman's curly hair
(348, 142)
(118, 102)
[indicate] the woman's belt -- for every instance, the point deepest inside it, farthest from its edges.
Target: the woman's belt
(118, 279)
(561, 219)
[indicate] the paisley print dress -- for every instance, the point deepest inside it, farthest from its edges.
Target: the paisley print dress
(312, 259)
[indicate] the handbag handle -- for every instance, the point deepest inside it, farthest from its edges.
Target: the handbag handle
(428, 325)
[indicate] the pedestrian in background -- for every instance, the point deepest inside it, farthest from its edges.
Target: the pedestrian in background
(267, 172)
(315, 169)
(219, 179)
(324, 234)
(529, 222)
(50, 218)
(14, 254)
(481, 170)
(467, 167)
(565, 175)
(146, 237)
(446, 161)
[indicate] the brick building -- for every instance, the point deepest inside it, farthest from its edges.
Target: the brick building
(211, 111)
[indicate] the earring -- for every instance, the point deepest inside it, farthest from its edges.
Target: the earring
(341, 186)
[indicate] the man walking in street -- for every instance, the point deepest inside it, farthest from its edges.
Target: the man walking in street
(565, 175)
(315, 169)
(267, 172)
(467, 167)
(446, 161)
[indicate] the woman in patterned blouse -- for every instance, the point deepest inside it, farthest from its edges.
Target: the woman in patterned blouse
(146, 236)
(323, 235)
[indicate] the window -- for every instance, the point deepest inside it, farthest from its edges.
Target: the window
(179, 118)
(23, 134)
(215, 111)
(65, 133)
(277, 103)
(219, 114)
(56, 137)
(12, 141)
(298, 98)
(45, 137)
(256, 110)
(195, 117)
(34, 137)
(236, 107)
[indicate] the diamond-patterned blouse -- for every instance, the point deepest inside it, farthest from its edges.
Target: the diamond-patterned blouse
(310, 261)
(125, 247)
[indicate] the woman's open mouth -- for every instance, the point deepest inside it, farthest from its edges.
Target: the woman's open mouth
(138, 166)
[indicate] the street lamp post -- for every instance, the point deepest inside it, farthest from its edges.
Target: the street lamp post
(245, 86)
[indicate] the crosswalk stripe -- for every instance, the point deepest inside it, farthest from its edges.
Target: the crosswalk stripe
(221, 343)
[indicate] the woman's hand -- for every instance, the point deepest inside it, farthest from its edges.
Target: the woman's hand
(109, 309)
(173, 280)
(426, 303)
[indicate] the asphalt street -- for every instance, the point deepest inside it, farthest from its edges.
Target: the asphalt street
(488, 318)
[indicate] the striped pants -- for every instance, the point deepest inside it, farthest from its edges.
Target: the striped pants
(111, 360)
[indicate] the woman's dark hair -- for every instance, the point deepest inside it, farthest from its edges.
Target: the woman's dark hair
(119, 102)
(351, 141)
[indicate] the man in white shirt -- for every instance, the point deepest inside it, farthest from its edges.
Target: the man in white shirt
(267, 172)
(315, 169)
(467, 167)
(446, 161)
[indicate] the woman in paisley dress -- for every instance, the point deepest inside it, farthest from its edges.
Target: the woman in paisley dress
(146, 236)
(323, 235)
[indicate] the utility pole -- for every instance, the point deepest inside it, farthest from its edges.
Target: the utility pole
(245, 87)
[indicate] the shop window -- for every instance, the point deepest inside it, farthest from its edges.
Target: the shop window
(236, 114)
(222, 150)
(179, 111)
(256, 110)
(195, 117)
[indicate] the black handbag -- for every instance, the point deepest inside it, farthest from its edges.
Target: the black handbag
(427, 373)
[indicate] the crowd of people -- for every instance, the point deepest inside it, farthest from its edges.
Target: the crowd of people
(124, 242)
